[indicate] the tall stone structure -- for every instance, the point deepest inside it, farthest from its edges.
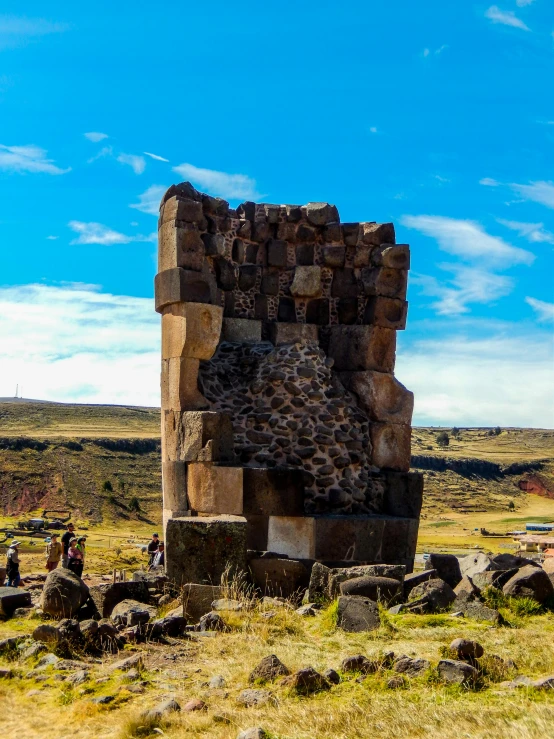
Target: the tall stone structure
(284, 429)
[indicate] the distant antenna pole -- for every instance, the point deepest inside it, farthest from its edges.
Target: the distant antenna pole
(16, 389)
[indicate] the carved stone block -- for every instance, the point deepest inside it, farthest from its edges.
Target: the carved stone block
(362, 347)
(214, 489)
(391, 444)
(191, 330)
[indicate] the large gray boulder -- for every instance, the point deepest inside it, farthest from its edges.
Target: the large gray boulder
(454, 671)
(375, 588)
(473, 564)
(64, 593)
(132, 613)
(12, 598)
(108, 595)
(432, 596)
(529, 581)
(357, 614)
(447, 567)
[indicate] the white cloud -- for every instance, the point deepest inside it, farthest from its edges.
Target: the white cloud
(96, 233)
(105, 151)
(149, 200)
(373, 129)
(136, 163)
(428, 52)
(466, 286)
(95, 136)
(232, 186)
(74, 343)
(533, 232)
(14, 26)
(544, 310)
(156, 156)
(489, 182)
(540, 192)
(462, 379)
(468, 240)
(505, 17)
(523, 3)
(52, 238)
(28, 158)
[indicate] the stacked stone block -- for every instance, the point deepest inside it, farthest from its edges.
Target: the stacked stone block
(279, 404)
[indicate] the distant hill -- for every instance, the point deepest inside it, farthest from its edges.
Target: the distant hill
(57, 455)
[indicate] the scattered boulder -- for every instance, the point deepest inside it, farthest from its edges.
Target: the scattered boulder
(359, 663)
(255, 732)
(474, 564)
(465, 591)
(268, 669)
(198, 599)
(417, 578)
(129, 663)
(107, 629)
(89, 628)
(508, 561)
(103, 700)
(251, 697)
(46, 633)
(217, 681)
(357, 614)
(339, 575)
(480, 612)
(33, 650)
(432, 596)
(394, 683)
(69, 630)
(163, 709)
(194, 705)
(212, 621)
(107, 596)
(132, 613)
(5, 673)
(530, 581)
(544, 683)
(457, 672)
(13, 598)
(78, 677)
(447, 567)
(492, 579)
(306, 681)
(228, 604)
(332, 676)
(411, 667)
(467, 649)
(170, 626)
(47, 661)
(373, 587)
(63, 594)
(308, 609)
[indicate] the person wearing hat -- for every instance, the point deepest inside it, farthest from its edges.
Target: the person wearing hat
(153, 548)
(81, 545)
(75, 557)
(66, 538)
(54, 551)
(159, 557)
(12, 565)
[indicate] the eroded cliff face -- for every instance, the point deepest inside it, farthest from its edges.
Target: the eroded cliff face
(537, 484)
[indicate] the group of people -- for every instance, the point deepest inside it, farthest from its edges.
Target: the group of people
(156, 552)
(70, 551)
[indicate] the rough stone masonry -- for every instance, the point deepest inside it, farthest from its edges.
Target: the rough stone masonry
(284, 429)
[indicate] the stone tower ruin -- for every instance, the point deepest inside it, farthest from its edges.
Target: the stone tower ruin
(284, 429)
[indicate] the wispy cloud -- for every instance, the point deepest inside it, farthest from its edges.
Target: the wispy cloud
(232, 186)
(17, 30)
(468, 240)
(155, 156)
(523, 3)
(434, 52)
(97, 233)
(95, 136)
(75, 343)
(469, 373)
(28, 158)
(505, 17)
(489, 182)
(373, 129)
(149, 200)
(478, 280)
(544, 310)
(533, 232)
(136, 163)
(540, 192)
(105, 151)
(52, 238)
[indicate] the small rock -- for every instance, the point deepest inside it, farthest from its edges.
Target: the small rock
(447, 567)
(194, 705)
(396, 682)
(373, 587)
(432, 596)
(412, 667)
(212, 621)
(530, 581)
(103, 700)
(46, 661)
(22, 612)
(163, 709)
(306, 681)
(33, 650)
(359, 663)
(227, 604)
(275, 602)
(544, 683)
(457, 672)
(309, 609)
(268, 669)
(217, 681)
(332, 676)
(480, 612)
(131, 675)
(46, 633)
(33, 693)
(164, 600)
(400, 608)
(5, 673)
(457, 614)
(253, 733)
(465, 648)
(357, 614)
(76, 678)
(251, 697)
(127, 664)
(89, 628)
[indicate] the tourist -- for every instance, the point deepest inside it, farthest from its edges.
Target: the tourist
(75, 558)
(159, 557)
(66, 538)
(152, 548)
(12, 565)
(54, 551)
(81, 545)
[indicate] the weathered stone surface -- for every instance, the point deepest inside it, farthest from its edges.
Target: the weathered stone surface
(269, 668)
(331, 580)
(252, 697)
(279, 577)
(179, 384)
(214, 489)
(480, 612)
(198, 436)
(532, 582)
(447, 567)
(131, 613)
(306, 682)
(465, 591)
(242, 329)
(506, 561)
(63, 594)
(254, 732)
(180, 245)
(277, 491)
(466, 648)
(392, 256)
(12, 598)
(359, 663)
(417, 578)
(179, 208)
(381, 396)
(191, 330)
(163, 709)
(357, 614)
(180, 285)
(403, 494)
(474, 564)
(387, 312)
(292, 535)
(377, 233)
(107, 596)
(411, 667)
(432, 596)
(292, 333)
(135, 662)
(362, 347)
(320, 214)
(390, 283)
(198, 599)
(46, 633)
(456, 672)
(383, 589)
(391, 443)
(306, 282)
(200, 549)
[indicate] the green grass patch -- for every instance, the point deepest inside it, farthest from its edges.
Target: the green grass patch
(330, 617)
(441, 524)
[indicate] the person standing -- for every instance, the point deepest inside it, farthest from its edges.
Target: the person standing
(74, 558)
(153, 548)
(12, 565)
(159, 557)
(54, 551)
(66, 538)
(81, 545)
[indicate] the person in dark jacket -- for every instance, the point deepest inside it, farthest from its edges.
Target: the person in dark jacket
(159, 557)
(12, 565)
(66, 538)
(153, 548)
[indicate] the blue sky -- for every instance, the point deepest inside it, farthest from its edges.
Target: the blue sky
(437, 116)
